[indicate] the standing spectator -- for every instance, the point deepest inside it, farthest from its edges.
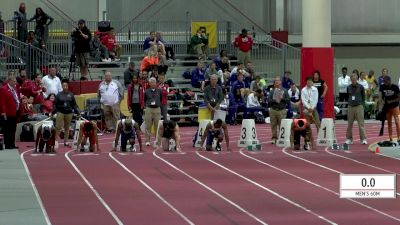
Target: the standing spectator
(110, 93)
(136, 99)
(164, 90)
(322, 89)
(343, 82)
(372, 85)
(213, 95)
(294, 95)
(51, 83)
(286, 80)
(244, 42)
(355, 110)
(42, 25)
(21, 22)
(309, 98)
(81, 38)
(9, 105)
(65, 106)
(199, 44)
(198, 79)
(384, 73)
(35, 89)
(129, 73)
(278, 99)
(390, 95)
(152, 112)
(169, 51)
(362, 80)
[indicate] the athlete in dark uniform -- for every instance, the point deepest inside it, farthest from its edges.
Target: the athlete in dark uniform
(169, 132)
(215, 130)
(88, 130)
(127, 129)
(46, 136)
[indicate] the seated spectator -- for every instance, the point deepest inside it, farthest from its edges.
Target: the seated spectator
(150, 61)
(218, 59)
(198, 79)
(129, 73)
(34, 88)
(21, 78)
(253, 102)
(256, 84)
(149, 42)
(162, 63)
(48, 105)
(236, 104)
(98, 51)
(234, 71)
(239, 84)
(250, 73)
(169, 51)
(286, 80)
(110, 42)
(225, 103)
(225, 64)
(31, 39)
(199, 44)
(26, 110)
(294, 94)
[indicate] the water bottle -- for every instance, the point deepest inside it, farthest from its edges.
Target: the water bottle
(1, 141)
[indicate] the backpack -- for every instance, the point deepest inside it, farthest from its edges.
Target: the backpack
(26, 133)
(259, 117)
(187, 74)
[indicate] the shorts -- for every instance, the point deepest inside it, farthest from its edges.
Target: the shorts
(82, 59)
(211, 135)
(125, 137)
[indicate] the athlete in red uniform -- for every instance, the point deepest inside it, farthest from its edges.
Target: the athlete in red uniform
(88, 130)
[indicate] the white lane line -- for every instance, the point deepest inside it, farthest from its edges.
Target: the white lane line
(46, 216)
(209, 189)
(151, 189)
(330, 169)
(267, 189)
(103, 202)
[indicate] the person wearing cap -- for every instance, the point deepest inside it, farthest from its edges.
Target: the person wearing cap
(355, 110)
(244, 43)
(82, 37)
(128, 73)
(301, 128)
(391, 97)
(45, 136)
(127, 129)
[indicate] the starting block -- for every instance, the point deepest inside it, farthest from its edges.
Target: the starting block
(76, 136)
(284, 133)
(254, 147)
(202, 127)
(248, 134)
(327, 134)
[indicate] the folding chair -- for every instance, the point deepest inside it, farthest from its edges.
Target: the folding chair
(93, 112)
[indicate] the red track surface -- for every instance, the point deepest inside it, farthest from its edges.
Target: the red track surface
(274, 186)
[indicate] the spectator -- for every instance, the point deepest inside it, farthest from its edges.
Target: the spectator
(384, 73)
(309, 98)
(224, 67)
(199, 44)
(239, 84)
(253, 103)
(9, 105)
(22, 22)
(286, 80)
(372, 84)
(278, 99)
(32, 40)
(213, 95)
(162, 66)
(234, 72)
(250, 73)
(98, 51)
(236, 104)
(390, 96)
(256, 84)
(149, 42)
(35, 89)
(343, 82)
(42, 23)
(218, 59)
(51, 83)
(136, 99)
(21, 78)
(81, 38)
(294, 95)
(110, 93)
(129, 73)
(26, 111)
(48, 105)
(150, 61)
(322, 89)
(164, 90)
(152, 112)
(244, 43)
(65, 106)
(110, 43)
(362, 80)
(198, 79)
(169, 51)
(355, 110)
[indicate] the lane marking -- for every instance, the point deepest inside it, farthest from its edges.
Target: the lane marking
(209, 189)
(46, 216)
(267, 189)
(151, 189)
(102, 201)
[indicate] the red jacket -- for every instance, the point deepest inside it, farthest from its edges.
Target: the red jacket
(47, 106)
(141, 96)
(7, 102)
(109, 41)
(30, 88)
(243, 43)
(164, 91)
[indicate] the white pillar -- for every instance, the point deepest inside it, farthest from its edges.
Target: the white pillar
(316, 23)
(102, 10)
(280, 14)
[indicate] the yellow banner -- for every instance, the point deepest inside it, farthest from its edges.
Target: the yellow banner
(211, 31)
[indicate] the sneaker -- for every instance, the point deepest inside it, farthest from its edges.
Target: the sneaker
(274, 141)
(306, 147)
(148, 143)
(218, 148)
(349, 142)
(364, 142)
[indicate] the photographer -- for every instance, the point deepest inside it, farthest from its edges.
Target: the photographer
(81, 37)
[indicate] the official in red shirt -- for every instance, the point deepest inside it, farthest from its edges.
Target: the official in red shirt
(9, 105)
(244, 43)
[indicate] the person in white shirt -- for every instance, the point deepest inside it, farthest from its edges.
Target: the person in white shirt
(110, 93)
(51, 83)
(363, 81)
(343, 82)
(294, 94)
(253, 104)
(309, 98)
